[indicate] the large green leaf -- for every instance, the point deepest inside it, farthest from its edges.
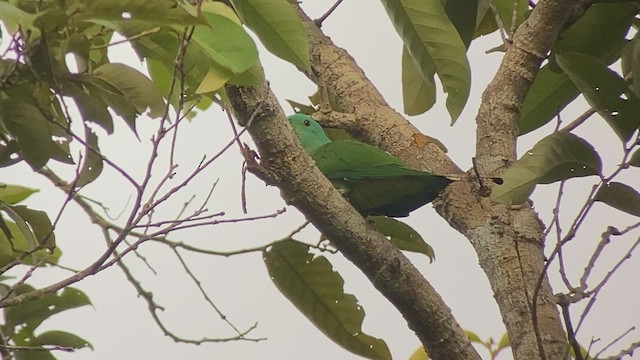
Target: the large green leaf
(486, 22)
(14, 18)
(61, 338)
(317, 291)
(463, 14)
(630, 62)
(161, 12)
(600, 32)
(226, 43)
(91, 105)
(31, 129)
(402, 235)
(92, 162)
(620, 196)
(39, 223)
(135, 86)
(605, 90)
(550, 92)
(559, 156)
(12, 194)
(279, 28)
(32, 313)
(635, 159)
(418, 94)
(432, 40)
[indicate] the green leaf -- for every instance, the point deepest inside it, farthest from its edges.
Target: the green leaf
(300, 108)
(418, 94)
(473, 337)
(33, 313)
(11, 234)
(214, 80)
(226, 43)
(31, 129)
(90, 104)
(135, 86)
(620, 196)
(252, 77)
(550, 93)
(635, 159)
(16, 239)
(559, 156)
(14, 18)
(419, 354)
(486, 22)
(92, 163)
(317, 291)
(432, 40)
(600, 32)
(605, 90)
(402, 235)
(159, 11)
(630, 61)
(279, 28)
(12, 194)
(39, 223)
(463, 14)
(504, 341)
(61, 338)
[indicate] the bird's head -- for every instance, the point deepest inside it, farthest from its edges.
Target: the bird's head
(309, 132)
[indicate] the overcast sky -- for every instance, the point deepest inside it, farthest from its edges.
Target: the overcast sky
(119, 325)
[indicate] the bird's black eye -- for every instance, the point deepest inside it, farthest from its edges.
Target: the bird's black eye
(306, 122)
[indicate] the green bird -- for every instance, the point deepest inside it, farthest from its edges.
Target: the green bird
(374, 181)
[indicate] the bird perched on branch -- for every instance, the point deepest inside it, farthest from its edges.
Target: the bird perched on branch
(374, 181)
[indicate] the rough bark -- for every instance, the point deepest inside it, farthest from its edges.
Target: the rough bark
(283, 160)
(509, 241)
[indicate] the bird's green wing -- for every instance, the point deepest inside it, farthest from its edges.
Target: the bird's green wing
(376, 182)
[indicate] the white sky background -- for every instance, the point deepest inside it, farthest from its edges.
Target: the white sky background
(119, 325)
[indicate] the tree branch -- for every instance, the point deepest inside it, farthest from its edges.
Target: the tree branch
(386, 267)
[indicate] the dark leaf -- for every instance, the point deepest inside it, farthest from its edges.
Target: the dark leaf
(433, 41)
(92, 161)
(279, 28)
(317, 291)
(33, 313)
(402, 235)
(418, 94)
(605, 90)
(600, 32)
(620, 196)
(61, 338)
(559, 156)
(30, 128)
(550, 92)
(12, 194)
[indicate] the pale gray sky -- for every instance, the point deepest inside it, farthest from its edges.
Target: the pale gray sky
(119, 325)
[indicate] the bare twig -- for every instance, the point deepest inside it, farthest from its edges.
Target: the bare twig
(324, 17)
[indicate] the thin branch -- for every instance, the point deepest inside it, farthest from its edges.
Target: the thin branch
(324, 17)
(198, 284)
(578, 121)
(615, 341)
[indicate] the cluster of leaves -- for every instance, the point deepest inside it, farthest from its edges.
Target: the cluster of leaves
(57, 56)
(29, 240)
(580, 63)
(21, 322)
